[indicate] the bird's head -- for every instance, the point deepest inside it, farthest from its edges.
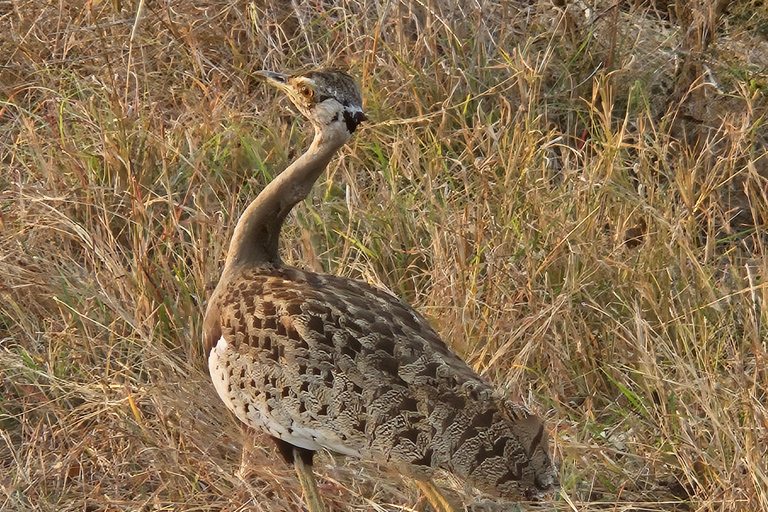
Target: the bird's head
(329, 98)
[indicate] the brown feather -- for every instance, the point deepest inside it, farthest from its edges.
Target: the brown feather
(320, 361)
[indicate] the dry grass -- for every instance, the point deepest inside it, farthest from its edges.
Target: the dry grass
(582, 224)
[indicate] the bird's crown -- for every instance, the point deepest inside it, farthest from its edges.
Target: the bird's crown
(313, 88)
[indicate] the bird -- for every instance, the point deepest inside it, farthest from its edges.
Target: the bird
(324, 362)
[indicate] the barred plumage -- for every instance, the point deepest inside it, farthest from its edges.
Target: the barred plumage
(320, 361)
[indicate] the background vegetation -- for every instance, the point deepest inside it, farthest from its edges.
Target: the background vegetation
(574, 193)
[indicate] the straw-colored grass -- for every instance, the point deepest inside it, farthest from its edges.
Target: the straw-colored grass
(580, 222)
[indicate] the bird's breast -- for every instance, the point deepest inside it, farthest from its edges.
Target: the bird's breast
(259, 396)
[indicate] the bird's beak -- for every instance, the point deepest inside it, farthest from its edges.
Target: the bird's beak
(278, 80)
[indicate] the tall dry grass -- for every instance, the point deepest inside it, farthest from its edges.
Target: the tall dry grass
(581, 223)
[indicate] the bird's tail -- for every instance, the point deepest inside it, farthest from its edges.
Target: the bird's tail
(503, 449)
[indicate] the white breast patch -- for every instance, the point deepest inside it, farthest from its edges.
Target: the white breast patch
(256, 415)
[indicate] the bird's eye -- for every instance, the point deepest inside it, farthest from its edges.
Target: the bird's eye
(305, 91)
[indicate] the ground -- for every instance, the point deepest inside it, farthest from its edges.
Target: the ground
(573, 193)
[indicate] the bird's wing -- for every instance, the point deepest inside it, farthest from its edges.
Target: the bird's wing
(327, 362)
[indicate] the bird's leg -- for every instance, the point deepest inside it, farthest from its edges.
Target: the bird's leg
(435, 498)
(246, 454)
(307, 480)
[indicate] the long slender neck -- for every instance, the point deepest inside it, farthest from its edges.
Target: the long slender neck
(256, 236)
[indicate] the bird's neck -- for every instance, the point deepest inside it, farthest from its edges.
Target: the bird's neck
(256, 236)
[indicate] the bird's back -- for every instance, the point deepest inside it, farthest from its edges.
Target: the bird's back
(326, 362)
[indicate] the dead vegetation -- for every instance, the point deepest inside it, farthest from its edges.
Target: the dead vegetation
(574, 194)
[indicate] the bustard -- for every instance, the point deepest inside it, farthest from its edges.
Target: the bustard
(320, 361)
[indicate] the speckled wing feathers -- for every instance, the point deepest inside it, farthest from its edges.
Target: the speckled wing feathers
(327, 362)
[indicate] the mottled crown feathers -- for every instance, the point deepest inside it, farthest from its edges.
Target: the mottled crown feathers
(332, 88)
